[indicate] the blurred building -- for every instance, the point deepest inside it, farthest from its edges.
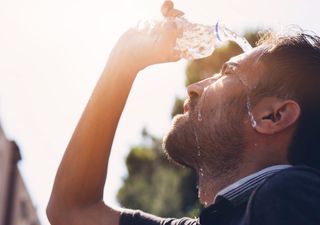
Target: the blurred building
(16, 207)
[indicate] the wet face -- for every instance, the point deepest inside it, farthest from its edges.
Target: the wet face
(210, 135)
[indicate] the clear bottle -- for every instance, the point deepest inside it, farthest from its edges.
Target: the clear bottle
(199, 41)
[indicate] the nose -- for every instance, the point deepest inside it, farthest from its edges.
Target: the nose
(195, 90)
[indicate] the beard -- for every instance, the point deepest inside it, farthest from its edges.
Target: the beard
(214, 144)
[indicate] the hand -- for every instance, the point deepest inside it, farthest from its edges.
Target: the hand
(150, 42)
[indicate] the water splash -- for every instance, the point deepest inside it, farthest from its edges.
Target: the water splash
(252, 119)
(200, 104)
(197, 143)
(199, 114)
(244, 81)
(225, 34)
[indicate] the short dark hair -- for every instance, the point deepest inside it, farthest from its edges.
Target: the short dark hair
(291, 70)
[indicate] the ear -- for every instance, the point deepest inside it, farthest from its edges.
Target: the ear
(273, 115)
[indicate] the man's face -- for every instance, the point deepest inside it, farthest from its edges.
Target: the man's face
(210, 135)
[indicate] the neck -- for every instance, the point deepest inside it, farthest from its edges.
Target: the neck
(209, 186)
(261, 156)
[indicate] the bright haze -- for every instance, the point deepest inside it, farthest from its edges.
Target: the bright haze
(52, 53)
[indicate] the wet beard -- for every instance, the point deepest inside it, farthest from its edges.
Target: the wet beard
(180, 143)
(220, 139)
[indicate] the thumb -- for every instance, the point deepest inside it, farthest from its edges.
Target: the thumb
(166, 7)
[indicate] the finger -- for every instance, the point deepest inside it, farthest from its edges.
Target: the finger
(174, 13)
(166, 7)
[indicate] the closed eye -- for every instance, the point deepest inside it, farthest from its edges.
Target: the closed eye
(228, 68)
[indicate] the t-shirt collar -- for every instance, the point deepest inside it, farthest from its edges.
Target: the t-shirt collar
(240, 191)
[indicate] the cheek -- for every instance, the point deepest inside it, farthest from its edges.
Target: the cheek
(213, 107)
(215, 95)
(218, 102)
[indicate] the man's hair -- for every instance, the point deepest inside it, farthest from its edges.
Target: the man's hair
(291, 70)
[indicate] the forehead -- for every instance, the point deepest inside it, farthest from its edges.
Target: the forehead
(248, 59)
(249, 66)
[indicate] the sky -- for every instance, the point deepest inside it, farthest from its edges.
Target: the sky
(52, 53)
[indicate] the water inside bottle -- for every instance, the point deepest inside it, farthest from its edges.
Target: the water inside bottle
(199, 41)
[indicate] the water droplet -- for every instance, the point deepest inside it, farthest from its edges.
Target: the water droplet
(199, 116)
(197, 143)
(201, 172)
(252, 119)
(197, 140)
(201, 102)
(199, 148)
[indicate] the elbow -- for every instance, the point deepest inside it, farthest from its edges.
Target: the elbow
(56, 215)
(53, 215)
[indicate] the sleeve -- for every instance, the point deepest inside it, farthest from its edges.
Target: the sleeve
(137, 217)
(291, 197)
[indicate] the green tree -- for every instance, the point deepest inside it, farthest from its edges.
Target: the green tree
(153, 183)
(156, 185)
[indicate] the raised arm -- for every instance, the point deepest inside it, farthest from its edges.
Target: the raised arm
(77, 195)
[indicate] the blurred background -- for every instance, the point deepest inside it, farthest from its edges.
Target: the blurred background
(51, 55)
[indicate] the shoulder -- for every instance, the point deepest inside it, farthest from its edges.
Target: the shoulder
(290, 196)
(296, 178)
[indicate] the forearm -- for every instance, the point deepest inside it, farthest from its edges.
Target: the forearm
(79, 183)
(80, 179)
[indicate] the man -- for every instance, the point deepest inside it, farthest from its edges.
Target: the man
(250, 132)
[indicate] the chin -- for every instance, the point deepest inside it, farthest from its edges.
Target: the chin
(179, 143)
(178, 123)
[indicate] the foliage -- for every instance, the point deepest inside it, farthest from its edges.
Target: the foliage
(156, 185)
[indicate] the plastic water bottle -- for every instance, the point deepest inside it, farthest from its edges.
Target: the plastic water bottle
(199, 41)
